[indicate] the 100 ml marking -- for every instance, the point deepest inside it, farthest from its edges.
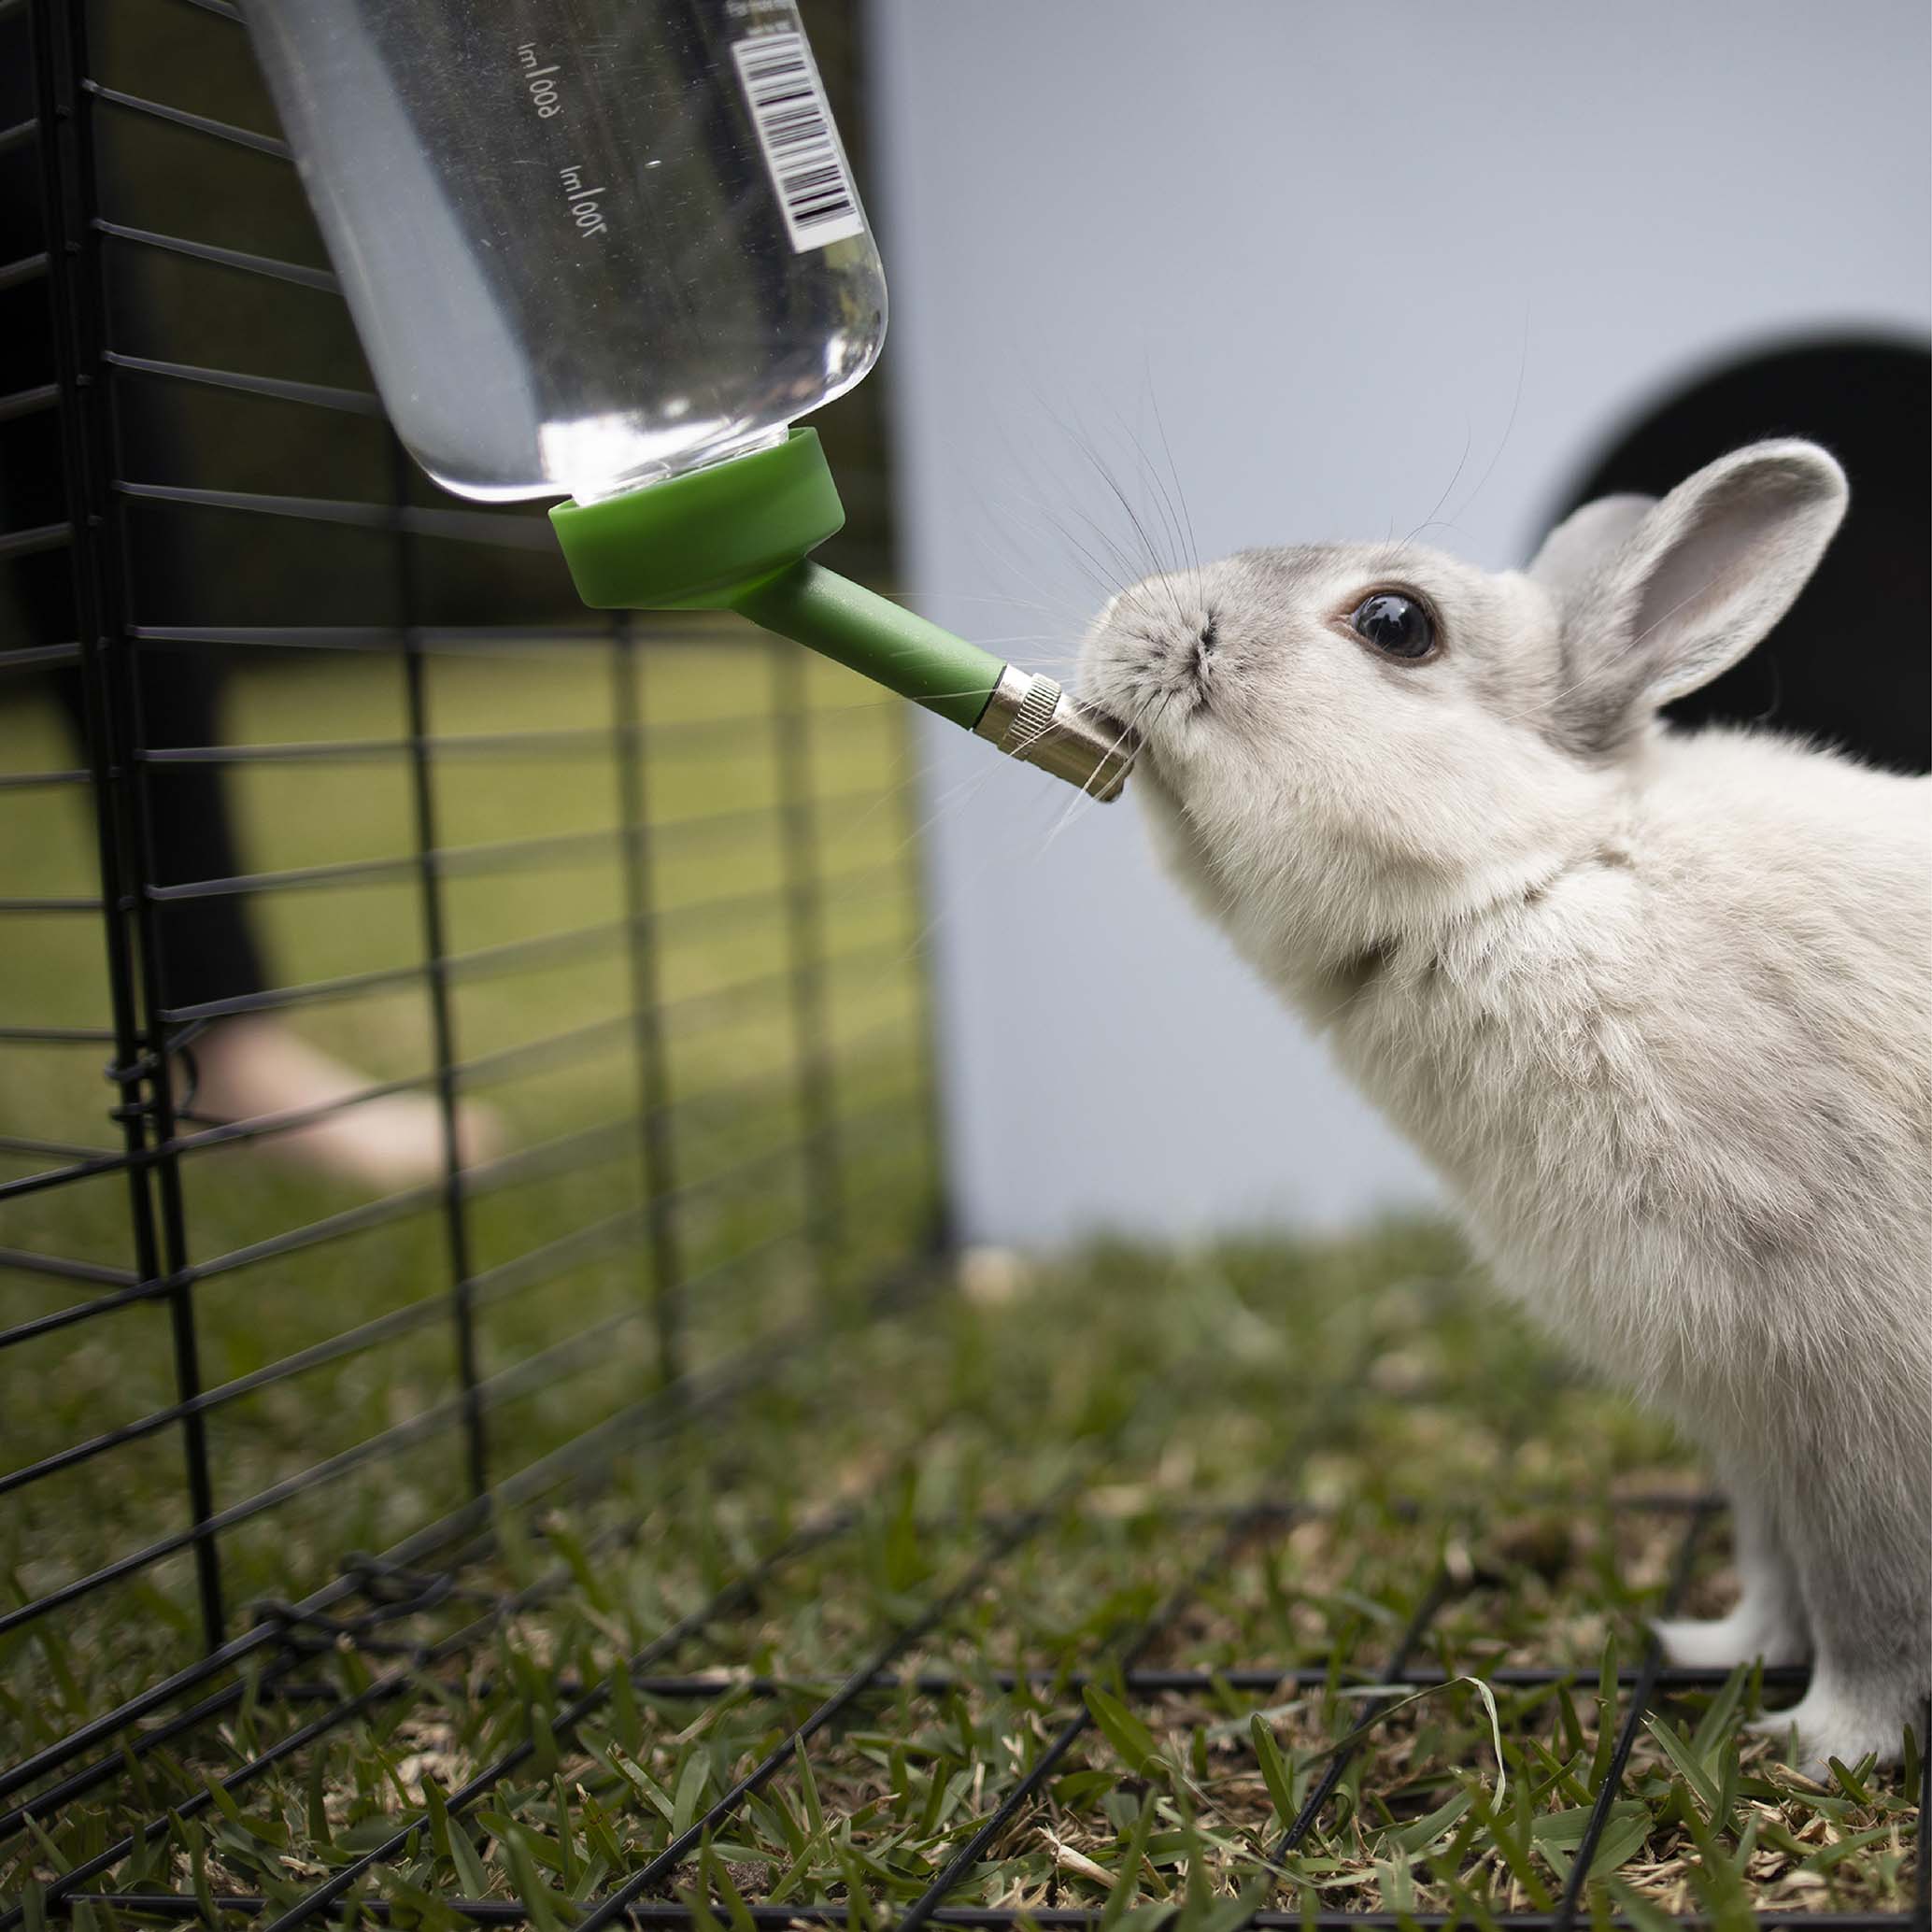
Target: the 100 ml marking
(583, 202)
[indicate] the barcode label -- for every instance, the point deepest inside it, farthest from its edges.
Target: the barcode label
(794, 128)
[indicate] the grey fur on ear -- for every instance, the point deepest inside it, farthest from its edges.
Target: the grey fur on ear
(1694, 583)
(1585, 538)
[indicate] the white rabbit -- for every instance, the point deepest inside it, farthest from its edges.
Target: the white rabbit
(1658, 1006)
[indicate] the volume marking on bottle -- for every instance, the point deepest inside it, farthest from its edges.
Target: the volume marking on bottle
(543, 90)
(583, 200)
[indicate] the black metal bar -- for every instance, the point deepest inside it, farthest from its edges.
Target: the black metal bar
(397, 1682)
(58, 1266)
(30, 543)
(37, 781)
(195, 123)
(317, 395)
(455, 1226)
(296, 273)
(33, 657)
(310, 1234)
(1259, 1680)
(459, 526)
(724, 1002)
(561, 742)
(30, 1771)
(504, 855)
(60, 1150)
(20, 135)
(1438, 1593)
(111, 711)
(1922, 1854)
(386, 1327)
(677, 1917)
(1641, 1692)
(268, 1683)
(658, 1144)
(548, 1050)
(791, 725)
(525, 640)
(17, 274)
(557, 948)
(201, 1535)
(28, 402)
(84, 1170)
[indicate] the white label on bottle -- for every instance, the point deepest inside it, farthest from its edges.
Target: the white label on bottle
(801, 145)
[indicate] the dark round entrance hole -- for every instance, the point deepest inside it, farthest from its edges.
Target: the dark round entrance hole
(1852, 662)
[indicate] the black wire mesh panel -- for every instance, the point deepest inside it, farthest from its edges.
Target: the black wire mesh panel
(608, 931)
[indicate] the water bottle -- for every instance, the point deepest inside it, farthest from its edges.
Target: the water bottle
(612, 250)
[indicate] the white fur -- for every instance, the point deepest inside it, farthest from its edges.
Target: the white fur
(1657, 1007)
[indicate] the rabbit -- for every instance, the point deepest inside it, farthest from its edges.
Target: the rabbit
(1656, 1005)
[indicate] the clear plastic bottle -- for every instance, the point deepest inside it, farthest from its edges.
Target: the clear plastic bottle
(588, 244)
(611, 249)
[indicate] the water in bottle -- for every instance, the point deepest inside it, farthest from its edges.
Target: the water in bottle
(588, 244)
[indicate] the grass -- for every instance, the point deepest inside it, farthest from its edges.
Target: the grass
(1408, 1433)
(1256, 1464)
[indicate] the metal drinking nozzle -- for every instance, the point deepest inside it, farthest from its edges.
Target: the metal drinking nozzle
(1028, 717)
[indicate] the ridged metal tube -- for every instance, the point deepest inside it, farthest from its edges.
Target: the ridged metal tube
(1030, 717)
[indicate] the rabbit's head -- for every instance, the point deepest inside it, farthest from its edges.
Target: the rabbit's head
(1349, 741)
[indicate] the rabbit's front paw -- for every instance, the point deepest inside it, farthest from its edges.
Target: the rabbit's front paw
(1841, 1724)
(1721, 1643)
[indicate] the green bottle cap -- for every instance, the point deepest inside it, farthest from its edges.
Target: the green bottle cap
(701, 538)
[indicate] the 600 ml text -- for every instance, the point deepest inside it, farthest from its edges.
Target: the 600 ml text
(543, 90)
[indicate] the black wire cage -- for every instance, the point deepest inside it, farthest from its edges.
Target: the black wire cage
(624, 916)
(630, 908)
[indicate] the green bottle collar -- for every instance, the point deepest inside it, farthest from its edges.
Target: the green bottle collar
(704, 538)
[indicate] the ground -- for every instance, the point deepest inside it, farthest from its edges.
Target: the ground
(1067, 1579)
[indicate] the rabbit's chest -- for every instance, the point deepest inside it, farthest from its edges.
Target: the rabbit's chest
(1552, 1116)
(1555, 1132)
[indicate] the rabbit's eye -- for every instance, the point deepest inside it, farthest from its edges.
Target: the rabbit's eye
(1395, 624)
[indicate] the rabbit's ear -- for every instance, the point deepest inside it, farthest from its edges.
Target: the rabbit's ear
(1691, 584)
(1584, 539)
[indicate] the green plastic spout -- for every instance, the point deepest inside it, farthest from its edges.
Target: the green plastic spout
(738, 536)
(879, 639)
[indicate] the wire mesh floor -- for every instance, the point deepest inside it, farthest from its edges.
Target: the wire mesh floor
(993, 1624)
